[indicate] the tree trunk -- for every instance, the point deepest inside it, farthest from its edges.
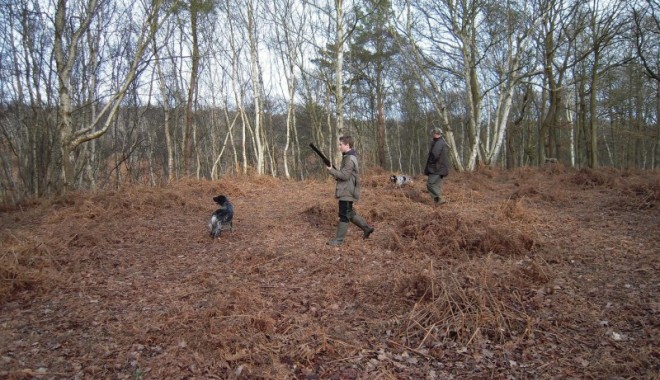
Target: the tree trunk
(167, 114)
(474, 107)
(257, 85)
(380, 120)
(187, 138)
(655, 151)
(66, 52)
(593, 125)
(339, 66)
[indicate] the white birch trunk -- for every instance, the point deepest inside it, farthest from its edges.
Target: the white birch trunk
(473, 99)
(501, 119)
(214, 171)
(166, 110)
(570, 118)
(257, 86)
(339, 66)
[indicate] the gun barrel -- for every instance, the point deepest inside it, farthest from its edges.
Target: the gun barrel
(320, 154)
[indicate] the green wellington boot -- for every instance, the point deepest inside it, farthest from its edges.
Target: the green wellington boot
(341, 234)
(366, 228)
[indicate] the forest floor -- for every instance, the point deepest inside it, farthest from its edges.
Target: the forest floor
(547, 273)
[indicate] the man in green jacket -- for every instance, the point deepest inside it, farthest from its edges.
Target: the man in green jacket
(437, 167)
(347, 191)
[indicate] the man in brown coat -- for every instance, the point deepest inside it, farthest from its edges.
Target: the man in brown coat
(347, 191)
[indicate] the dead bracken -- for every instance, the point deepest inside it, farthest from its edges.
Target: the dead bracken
(530, 273)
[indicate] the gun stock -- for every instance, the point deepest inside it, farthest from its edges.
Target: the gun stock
(325, 159)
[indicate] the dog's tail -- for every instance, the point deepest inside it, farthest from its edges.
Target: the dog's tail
(215, 227)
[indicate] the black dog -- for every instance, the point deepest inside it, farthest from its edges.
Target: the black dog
(400, 180)
(223, 215)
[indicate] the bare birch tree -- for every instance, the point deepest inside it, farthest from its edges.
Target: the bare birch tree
(341, 15)
(513, 30)
(27, 128)
(165, 104)
(251, 12)
(458, 48)
(71, 22)
(603, 28)
(290, 19)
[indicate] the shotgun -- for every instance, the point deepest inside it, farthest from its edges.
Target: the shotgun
(320, 154)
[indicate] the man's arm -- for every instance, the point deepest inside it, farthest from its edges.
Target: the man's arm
(346, 171)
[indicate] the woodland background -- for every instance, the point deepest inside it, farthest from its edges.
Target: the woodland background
(100, 93)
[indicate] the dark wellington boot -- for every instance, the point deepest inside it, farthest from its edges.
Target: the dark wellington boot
(342, 228)
(366, 228)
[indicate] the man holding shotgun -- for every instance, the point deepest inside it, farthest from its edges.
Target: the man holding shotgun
(347, 190)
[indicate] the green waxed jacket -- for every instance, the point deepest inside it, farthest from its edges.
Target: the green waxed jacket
(437, 161)
(348, 178)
